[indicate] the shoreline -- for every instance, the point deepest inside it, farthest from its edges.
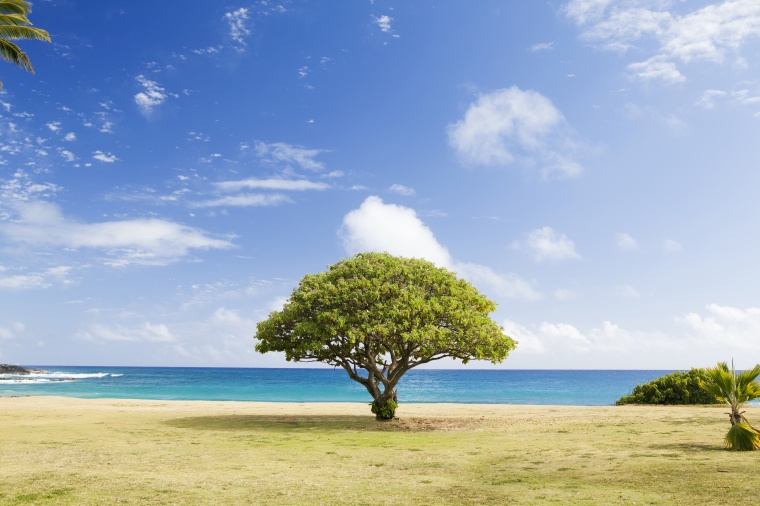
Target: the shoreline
(330, 408)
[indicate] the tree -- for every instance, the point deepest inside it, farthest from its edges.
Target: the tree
(15, 25)
(674, 388)
(735, 389)
(377, 316)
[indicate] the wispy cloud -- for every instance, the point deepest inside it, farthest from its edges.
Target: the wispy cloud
(259, 199)
(34, 280)
(545, 244)
(281, 153)
(250, 200)
(141, 241)
(510, 124)
(625, 242)
(147, 332)
(707, 33)
(104, 157)
(402, 190)
(383, 22)
(151, 97)
(67, 155)
(238, 22)
(271, 184)
(541, 46)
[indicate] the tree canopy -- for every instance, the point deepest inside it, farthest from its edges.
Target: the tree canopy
(377, 316)
(674, 388)
(14, 24)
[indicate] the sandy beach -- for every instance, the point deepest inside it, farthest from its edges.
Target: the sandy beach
(73, 451)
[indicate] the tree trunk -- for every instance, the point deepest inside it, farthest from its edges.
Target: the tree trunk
(384, 406)
(735, 416)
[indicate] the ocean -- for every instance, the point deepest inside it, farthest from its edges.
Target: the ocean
(465, 386)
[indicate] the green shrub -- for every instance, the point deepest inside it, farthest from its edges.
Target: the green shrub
(674, 388)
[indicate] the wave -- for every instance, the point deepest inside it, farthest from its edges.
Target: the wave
(49, 377)
(22, 379)
(67, 375)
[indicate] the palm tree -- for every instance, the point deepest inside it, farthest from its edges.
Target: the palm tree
(14, 25)
(735, 389)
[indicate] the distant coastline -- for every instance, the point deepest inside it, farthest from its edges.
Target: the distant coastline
(17, 370)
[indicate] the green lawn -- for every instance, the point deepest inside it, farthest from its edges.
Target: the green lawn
(120, 452)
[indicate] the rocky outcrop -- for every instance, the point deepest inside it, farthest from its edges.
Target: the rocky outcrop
(18, 370)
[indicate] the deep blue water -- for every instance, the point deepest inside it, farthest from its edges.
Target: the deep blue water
(580, 388)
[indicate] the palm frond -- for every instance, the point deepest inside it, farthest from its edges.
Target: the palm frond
(721, 382)
(23, 32)
(748, 388)
(15, 7)
(743, 438)
(14, 19)
(12, 53)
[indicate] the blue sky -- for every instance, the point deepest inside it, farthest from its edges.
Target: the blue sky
(168, 175)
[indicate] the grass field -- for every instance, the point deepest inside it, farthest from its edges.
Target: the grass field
(71, 451)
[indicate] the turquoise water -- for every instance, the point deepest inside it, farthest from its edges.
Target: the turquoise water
(466, 386)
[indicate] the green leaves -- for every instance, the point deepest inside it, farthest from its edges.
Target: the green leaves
(14, 25)
(385, 315)
(742, 437)
(734, 389)
(674, 388)
(731, 387)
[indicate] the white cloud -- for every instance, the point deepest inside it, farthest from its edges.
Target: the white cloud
(733, 329)
(147, 332)
(144, 241)
(671, 246)
(698, 339)
(238, 23)
(71, 136)
(67, 155)
(21, 188)
(151, 97)
(509, 123)
(104, 157)
(564, 339)
(656, 68)
(739, 97)
(251, 200)
(706, 33)
(271, 184)
(54, 125)
(541, 46)
(626, 243)
(376, 226)
(584, 11)
(383, 22)
(402, 190)
(283, 153)
(546, 244)
(34, 280)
